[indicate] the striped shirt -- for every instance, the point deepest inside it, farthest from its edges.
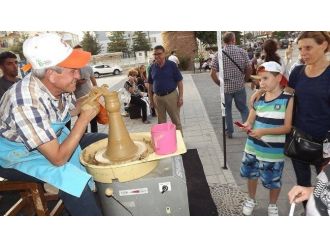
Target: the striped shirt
(27, 111)
(269, 114)
(233, 77)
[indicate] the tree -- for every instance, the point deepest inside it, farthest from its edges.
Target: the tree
(117, 42)
(90, 43)
(248, 36)
(18, 47)
(210, 37)
(238, 36)
(140, 42)
(279, 34)
(207, 38)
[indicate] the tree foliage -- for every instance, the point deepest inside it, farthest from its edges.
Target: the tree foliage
(210, 37)
(18, 47)
(117, 42)
(238, 36)
(279, 34)
(140, 42)
(90, 43)
(248, 36)
(207, 37)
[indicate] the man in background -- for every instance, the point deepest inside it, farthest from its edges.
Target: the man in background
(9, 67)
(236, 66)
(174, 58)
(164, 79)
(84, 86)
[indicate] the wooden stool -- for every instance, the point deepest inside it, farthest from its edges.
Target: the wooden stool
(33, 198)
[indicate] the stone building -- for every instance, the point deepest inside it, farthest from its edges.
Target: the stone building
(184, 43)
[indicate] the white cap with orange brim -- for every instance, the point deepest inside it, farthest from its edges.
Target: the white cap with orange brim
(47, 50)
(272, 67)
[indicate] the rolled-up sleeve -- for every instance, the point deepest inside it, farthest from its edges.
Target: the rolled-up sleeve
(177, 74)
(150, 79)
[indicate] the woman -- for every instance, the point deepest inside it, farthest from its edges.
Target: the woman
(270, 47)
(142, 78)
(136, 95)
(311, 83)
(288, 54)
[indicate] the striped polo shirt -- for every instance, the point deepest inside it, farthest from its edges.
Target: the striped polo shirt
(27, 111)
(269, 114)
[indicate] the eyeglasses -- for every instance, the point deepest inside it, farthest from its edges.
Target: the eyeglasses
(158, 53)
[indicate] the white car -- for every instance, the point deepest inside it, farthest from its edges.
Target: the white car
(104, 69)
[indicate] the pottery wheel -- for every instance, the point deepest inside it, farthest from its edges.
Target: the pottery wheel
(141, 153)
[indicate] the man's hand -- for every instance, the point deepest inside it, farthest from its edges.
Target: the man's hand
(180, 102)
(151, 103)
(89, 108)
(81, 81)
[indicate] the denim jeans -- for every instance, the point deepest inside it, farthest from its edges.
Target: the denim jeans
(240, 103)
(86, 204)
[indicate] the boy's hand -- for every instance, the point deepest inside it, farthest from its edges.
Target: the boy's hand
(247, 127)
(257, 133)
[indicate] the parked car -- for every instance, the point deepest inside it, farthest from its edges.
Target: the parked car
(284, 43)
(105, 69)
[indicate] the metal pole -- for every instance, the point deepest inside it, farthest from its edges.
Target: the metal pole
(222, 96)
(194, 60)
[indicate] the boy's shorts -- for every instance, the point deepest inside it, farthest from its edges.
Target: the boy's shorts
(270, 173)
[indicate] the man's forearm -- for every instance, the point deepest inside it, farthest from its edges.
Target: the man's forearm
(150, 93)
(93, 80)
(180, 88)
(214, 77)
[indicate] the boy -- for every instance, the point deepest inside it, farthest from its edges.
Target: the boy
(268, 122)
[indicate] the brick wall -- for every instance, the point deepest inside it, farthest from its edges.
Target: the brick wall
(184, 43)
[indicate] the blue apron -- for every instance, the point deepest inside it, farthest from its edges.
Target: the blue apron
(70, 177)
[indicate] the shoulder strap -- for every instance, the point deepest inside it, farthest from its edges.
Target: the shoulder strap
(232, 61)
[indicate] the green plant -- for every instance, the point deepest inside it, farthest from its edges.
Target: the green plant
(184, 62)
(200, 57)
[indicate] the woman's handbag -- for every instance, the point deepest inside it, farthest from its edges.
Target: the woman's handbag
(300, 146)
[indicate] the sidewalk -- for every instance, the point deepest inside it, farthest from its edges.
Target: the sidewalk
(202, 127)
(210, 96)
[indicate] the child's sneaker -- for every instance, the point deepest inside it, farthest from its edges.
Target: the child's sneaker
(248, 206)
(272, 210)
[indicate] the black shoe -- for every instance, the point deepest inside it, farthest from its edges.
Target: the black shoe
(229, 135)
